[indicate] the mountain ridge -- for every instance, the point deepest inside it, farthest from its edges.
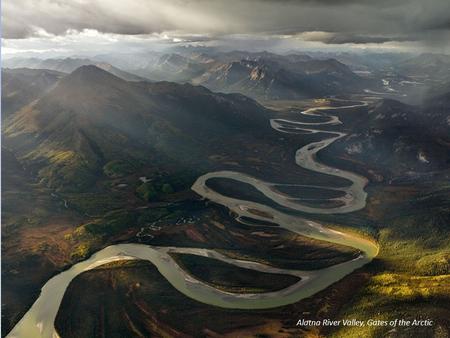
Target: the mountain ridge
(92, 117)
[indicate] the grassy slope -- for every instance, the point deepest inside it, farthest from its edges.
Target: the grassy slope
(33, 245)
(411, 276)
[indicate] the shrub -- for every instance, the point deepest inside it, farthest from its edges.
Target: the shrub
(147, 192)
(118, 168)
(167, 188)
(435, 264)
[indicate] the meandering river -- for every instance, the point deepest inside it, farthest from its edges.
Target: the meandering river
(39, 320)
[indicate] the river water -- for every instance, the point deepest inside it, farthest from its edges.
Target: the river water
(39, 320)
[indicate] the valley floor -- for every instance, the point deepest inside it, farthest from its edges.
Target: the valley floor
(410, 278)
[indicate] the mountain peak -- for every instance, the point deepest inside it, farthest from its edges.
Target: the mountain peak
(89, 75)
(86, 85)
(90, 72)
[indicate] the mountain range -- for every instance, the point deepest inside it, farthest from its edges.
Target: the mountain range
(427, 65)
(67, 65)
(92, 117)
(261, 75)
(67, 127)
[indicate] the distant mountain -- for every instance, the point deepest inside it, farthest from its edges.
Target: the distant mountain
(174, 67)
(281, 78)
(425, 66)
(67, 65)
(172, 62)
(260, 75)
(129, 61)
(364, 61)
(92, 117)
(233, 56)
(21, 86)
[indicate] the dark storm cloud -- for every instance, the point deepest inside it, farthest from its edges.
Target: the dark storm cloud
(330, 2)
(339, 38)
(346, 21)
(15, 30)
(438, 24)
(22, 18)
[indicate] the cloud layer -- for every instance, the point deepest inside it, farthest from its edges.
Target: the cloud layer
(327, 21)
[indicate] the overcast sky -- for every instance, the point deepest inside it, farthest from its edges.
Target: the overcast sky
(81, 26)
